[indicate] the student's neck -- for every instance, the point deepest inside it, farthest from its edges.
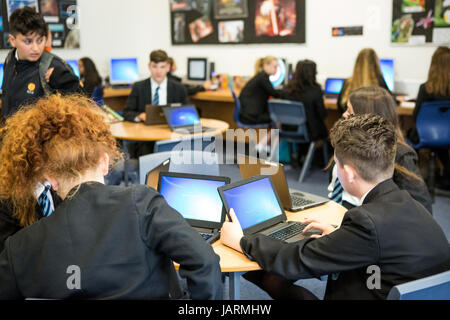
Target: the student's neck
(90, 176)
(159, 83)
(365, 186)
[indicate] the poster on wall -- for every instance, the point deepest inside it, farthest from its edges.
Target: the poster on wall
(417, 22)
(237, 21)
(60, 15)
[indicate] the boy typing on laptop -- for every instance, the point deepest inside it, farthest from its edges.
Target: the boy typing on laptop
(390, 230)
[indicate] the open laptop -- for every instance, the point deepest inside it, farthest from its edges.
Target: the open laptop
(184, 119)
(292, 200)
(196, 198)
(258, 209)
(152, 177)
(333, 87)
(154, 115)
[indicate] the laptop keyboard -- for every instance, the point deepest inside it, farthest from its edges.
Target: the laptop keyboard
(288, 232)
(206, 236)
(298, 201)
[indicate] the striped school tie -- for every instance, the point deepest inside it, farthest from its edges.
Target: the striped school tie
(155, 100)
(336, 196)
(44, 201)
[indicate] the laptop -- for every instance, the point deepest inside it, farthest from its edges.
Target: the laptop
(152, 177)
(333, 87)
(292, 200)
(258, 209)
(154, 115)
(196, 198)
(184, 119)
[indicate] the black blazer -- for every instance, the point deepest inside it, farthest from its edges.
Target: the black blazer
(253, 98)
(141, 95)
(123, 239)
(390, 230)
(312, 98)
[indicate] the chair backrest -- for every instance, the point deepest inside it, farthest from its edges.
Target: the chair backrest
(237, 107)
(289, 113)
(97, 96)
(195, 142)
(433, 124)
(436, 287)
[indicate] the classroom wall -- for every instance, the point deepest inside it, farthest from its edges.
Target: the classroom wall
(118, 28)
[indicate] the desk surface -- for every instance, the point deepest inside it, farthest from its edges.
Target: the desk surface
(139, 132)
(233, 261)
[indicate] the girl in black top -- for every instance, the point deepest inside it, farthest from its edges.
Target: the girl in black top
(89, 75)
(254, 95)
(304, 88)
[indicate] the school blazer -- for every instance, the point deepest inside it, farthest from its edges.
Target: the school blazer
(122, 239)
(141, 95)
(390, 231)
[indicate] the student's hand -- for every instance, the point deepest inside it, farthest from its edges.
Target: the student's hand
(48, 74)
(325, 228)
(207, 85)
(231, 233)
(142, 117)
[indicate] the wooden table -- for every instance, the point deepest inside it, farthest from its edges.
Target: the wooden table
(235, 263)
(116, 98)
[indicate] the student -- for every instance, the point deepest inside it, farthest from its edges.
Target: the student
(156, 90)
(376, 100)
(90, 78)
(303, 87)
(122, 240)
(390, 231)
(437, 88)
(191, 89)
(366, 72)
(30, 72)
(256, 92)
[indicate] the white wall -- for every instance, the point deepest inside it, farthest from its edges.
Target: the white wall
(128, 28)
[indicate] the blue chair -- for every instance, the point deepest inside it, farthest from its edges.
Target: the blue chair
(292, 113)
(436, 287)
(237, 112)
(433, 128)
(97, 96)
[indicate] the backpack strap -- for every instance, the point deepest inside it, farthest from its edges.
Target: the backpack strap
(44, 64)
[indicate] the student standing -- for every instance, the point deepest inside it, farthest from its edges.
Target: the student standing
(90, 78)
(390, 231)
(256, 92)
(366, 72)
(121, 241)
(30, 72)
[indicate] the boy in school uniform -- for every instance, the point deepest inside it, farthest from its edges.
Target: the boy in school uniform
(30, 71)
(390, 232)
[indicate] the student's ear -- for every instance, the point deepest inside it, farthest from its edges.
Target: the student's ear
(104, 163)
(12, 40)
(350, 173)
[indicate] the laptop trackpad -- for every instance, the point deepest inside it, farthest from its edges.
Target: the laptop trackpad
(304, 235)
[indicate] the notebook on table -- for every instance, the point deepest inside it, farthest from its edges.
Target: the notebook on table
(258, 209)
(292, 200)
(196, 198)
(154, 115)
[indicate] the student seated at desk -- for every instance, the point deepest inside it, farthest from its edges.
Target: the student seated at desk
(366, 72)
(376, 100)
(390, 232)
(437, 88)
(156, 90)
(90, 78)
(101, 242)
(191, 90)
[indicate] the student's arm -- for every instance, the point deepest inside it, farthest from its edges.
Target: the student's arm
(131, 110)
(353, 245)
(8, 284)
(267, 86)
(319, 104)
(164, 230)
(62, 79)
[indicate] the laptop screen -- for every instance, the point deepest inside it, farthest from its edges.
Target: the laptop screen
(253, 202)
(194, 199)
(182, 116)
(334, 85)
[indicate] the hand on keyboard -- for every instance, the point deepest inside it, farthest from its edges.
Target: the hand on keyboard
(314, 224)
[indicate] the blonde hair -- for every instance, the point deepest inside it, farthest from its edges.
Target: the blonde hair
(261, 62)
(366, 72)
(438, 81)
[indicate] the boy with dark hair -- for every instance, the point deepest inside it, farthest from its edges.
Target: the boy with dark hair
(30, 72)
(390, 232)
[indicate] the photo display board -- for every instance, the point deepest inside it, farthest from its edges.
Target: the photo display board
(418, 22)
(60, 15)
(237, 21)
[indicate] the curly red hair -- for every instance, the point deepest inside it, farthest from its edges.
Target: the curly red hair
(59, 136)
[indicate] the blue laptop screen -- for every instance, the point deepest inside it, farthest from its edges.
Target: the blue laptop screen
(253, 203)
(2, 72)
(124, 70)
(387, 69)
(334, 85)
(183, 116)
(195, 199)
(74, 65)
